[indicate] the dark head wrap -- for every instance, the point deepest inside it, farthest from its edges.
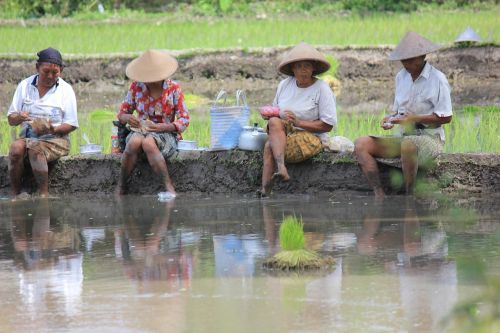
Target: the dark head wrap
(50, 55)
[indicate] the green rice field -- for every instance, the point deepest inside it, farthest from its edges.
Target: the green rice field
(473, 129)
(101, 37)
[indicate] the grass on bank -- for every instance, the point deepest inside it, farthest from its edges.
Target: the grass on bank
(474, 129)
(103, 37)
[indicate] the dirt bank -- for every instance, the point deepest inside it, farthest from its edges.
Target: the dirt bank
(365, 74)
(239, 172)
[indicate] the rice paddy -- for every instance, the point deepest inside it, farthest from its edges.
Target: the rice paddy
(103, 37)
(473, 129)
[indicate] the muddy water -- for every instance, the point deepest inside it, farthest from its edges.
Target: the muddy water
(194, 264)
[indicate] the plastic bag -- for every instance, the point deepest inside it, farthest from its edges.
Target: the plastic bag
(339, 144)
(227, 121)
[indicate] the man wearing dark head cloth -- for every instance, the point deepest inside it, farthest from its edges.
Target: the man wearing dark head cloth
(44, 105)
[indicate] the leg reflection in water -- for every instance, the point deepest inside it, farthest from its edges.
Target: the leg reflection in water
(152, 255)
(417, 253)
(47, 256)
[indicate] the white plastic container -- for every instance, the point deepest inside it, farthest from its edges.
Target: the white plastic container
(90, 148)
(187, 145)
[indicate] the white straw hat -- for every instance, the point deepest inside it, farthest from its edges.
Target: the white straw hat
(304, 51)
(413, 45)
(151, 66)
(469, 35)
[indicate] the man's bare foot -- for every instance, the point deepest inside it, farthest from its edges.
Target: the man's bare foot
(170, 188)
(261, 193)
(21, 196)
(120, 190)
(379, 194)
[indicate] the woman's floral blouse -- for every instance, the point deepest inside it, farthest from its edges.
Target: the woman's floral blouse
(168, 108)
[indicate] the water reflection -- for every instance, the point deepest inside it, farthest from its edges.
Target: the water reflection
(47, 257)
(196, 264)
(418, 254)
(149, 251)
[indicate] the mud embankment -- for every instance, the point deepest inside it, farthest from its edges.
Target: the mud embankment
(365, 74)
(239, 172)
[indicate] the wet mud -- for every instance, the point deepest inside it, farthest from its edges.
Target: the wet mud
(365, 75)
(240, 172)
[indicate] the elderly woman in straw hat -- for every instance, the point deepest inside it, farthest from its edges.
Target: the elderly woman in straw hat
(161, 115)
(307, 113)
(422, 104)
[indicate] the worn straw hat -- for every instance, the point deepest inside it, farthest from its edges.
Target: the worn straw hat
(302, 52)
(151, 66)
(413, 45)
(468, 35)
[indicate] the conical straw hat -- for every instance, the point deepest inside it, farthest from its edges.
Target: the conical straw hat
(413, 45)
(469, 35)
(301, 52)
(151, 66)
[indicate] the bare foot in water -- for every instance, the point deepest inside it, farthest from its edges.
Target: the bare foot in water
(266, 189)
(170, 188)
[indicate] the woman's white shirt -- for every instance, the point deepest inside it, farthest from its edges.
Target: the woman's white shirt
(316, 102)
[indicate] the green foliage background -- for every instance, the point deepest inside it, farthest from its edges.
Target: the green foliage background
(65, 8)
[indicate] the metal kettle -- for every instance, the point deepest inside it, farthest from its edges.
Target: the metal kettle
(252, 138)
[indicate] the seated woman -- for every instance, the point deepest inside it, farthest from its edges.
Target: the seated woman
(45, 107)
(161, 115)
(307, 114)
(422, 104)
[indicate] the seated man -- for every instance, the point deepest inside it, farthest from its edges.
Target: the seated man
(45, 107)
(422, 104)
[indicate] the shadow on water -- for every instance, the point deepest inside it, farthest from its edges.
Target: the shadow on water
(195, 264)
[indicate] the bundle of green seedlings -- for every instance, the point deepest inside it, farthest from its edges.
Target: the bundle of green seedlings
(293, 254)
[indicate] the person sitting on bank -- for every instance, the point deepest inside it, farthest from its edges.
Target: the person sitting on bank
(307, 113)
(422, 104)
(161, 115)
(45, 107)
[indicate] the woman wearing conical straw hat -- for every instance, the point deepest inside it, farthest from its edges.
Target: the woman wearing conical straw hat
(161, 115)
(422, 104)
(307, 112)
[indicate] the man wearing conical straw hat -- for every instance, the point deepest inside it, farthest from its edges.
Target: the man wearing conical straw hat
(422, 104)
(161, 115)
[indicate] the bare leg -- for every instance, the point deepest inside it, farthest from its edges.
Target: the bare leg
(157, 162)
(129, 159)
(366, 149)
(409, 164)
(16, 165)
(40, 169)
(267, 170)
(277, 142)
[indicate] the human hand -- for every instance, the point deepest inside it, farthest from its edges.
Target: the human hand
(386, 123)
(41, 126)
(133, 121)
(290, 116)
(149, 126)
(24, 116)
